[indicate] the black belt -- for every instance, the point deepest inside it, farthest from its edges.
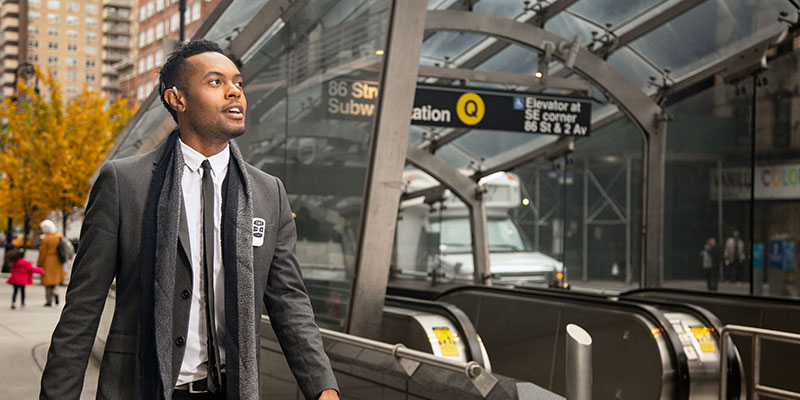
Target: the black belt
(198, 386)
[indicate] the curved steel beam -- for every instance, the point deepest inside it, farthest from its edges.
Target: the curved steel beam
(639, 107)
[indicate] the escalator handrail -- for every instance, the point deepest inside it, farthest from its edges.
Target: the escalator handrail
(453, 314)
(677, 356)
(749, 299)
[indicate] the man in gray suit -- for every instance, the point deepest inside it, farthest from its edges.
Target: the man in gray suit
(196, 239)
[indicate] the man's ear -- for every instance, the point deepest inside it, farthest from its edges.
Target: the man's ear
(175, 99)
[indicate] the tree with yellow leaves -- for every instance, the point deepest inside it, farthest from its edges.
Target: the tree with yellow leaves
(51, 148)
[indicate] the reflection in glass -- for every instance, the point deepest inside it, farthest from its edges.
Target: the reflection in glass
(312, 92)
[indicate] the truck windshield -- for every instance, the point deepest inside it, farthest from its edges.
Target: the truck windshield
(504, 236)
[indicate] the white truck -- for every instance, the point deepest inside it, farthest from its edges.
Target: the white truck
(433, 237)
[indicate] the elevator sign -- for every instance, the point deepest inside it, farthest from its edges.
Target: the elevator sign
(455, 107)
(501, 110)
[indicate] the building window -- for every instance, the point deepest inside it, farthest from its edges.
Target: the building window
(35, 3)
(90, 63)
(73, 6)
(150, 34)
(34, 15)
(54, 73)
(52, 18)
(159, 57)
(149, 62)
(142, 14)
(91, 50)
(141, 40)
(52, 32)
(73, 20)
(140, 92)
(52, 60)
(33, 30)
(71, 90)
(91, 23)
(195, 11)
(72, 34)
(72, 75)
(72, 47)
(151, 8)
(187, 16)
(141, 65)
(53, 4)
(174, 22)
(90, 77)
(52, 45)
(33, 44)
(91, 37)
(91, 8)
(72, 62)
(159, 30)
(33, 58)
(159, 5)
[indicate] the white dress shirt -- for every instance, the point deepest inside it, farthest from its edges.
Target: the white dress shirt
(193, 366)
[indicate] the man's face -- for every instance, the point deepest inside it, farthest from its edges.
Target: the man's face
(215, 102)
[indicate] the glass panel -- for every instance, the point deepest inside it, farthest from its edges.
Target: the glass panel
(513, 59)
(708, 142)
(712, 30)
(776, 229)
(567, 26)
(503, 8)
(320, 153)
(145, 126)
(539, 214)
(633, 67)
(449, 44)
(432, 238)
(238, 14)
(602, 232)
(614, 11)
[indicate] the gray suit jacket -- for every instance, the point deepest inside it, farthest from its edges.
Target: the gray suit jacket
(109, 249)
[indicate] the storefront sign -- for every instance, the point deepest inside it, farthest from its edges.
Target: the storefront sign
(772, 182)
(352, 99)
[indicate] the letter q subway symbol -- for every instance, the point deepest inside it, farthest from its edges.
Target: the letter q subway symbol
(470, 108)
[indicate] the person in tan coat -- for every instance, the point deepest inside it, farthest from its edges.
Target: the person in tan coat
(48, 260)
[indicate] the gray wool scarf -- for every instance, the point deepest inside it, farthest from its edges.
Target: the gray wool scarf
(159, 256)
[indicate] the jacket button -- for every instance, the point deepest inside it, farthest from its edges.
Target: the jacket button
(185, 294)
(180, 341)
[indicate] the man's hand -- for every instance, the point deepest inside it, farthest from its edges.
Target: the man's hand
(329, 394)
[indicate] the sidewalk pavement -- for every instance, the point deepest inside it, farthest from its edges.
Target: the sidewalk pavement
(24, 340)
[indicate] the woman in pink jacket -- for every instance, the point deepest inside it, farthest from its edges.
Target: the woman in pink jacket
(21, 275)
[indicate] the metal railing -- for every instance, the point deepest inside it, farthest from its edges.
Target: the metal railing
(757, 335)
(410, 359)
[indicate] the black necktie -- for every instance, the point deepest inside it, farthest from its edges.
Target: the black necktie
(214, 373)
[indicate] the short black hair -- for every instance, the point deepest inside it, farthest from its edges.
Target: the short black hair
(171, 72)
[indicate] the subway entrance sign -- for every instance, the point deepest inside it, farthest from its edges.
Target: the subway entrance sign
(447, 106)
(501, 110)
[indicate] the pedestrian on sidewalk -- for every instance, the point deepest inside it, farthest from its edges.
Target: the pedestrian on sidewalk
(711, 263)
(49, 261)
(21, 275)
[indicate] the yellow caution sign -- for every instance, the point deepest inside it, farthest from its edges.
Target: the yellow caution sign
(447, 343)
(704, 339)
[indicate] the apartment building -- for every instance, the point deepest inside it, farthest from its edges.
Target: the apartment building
(13, 14)
(78, 42)
(118, 30)
(158, 33)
